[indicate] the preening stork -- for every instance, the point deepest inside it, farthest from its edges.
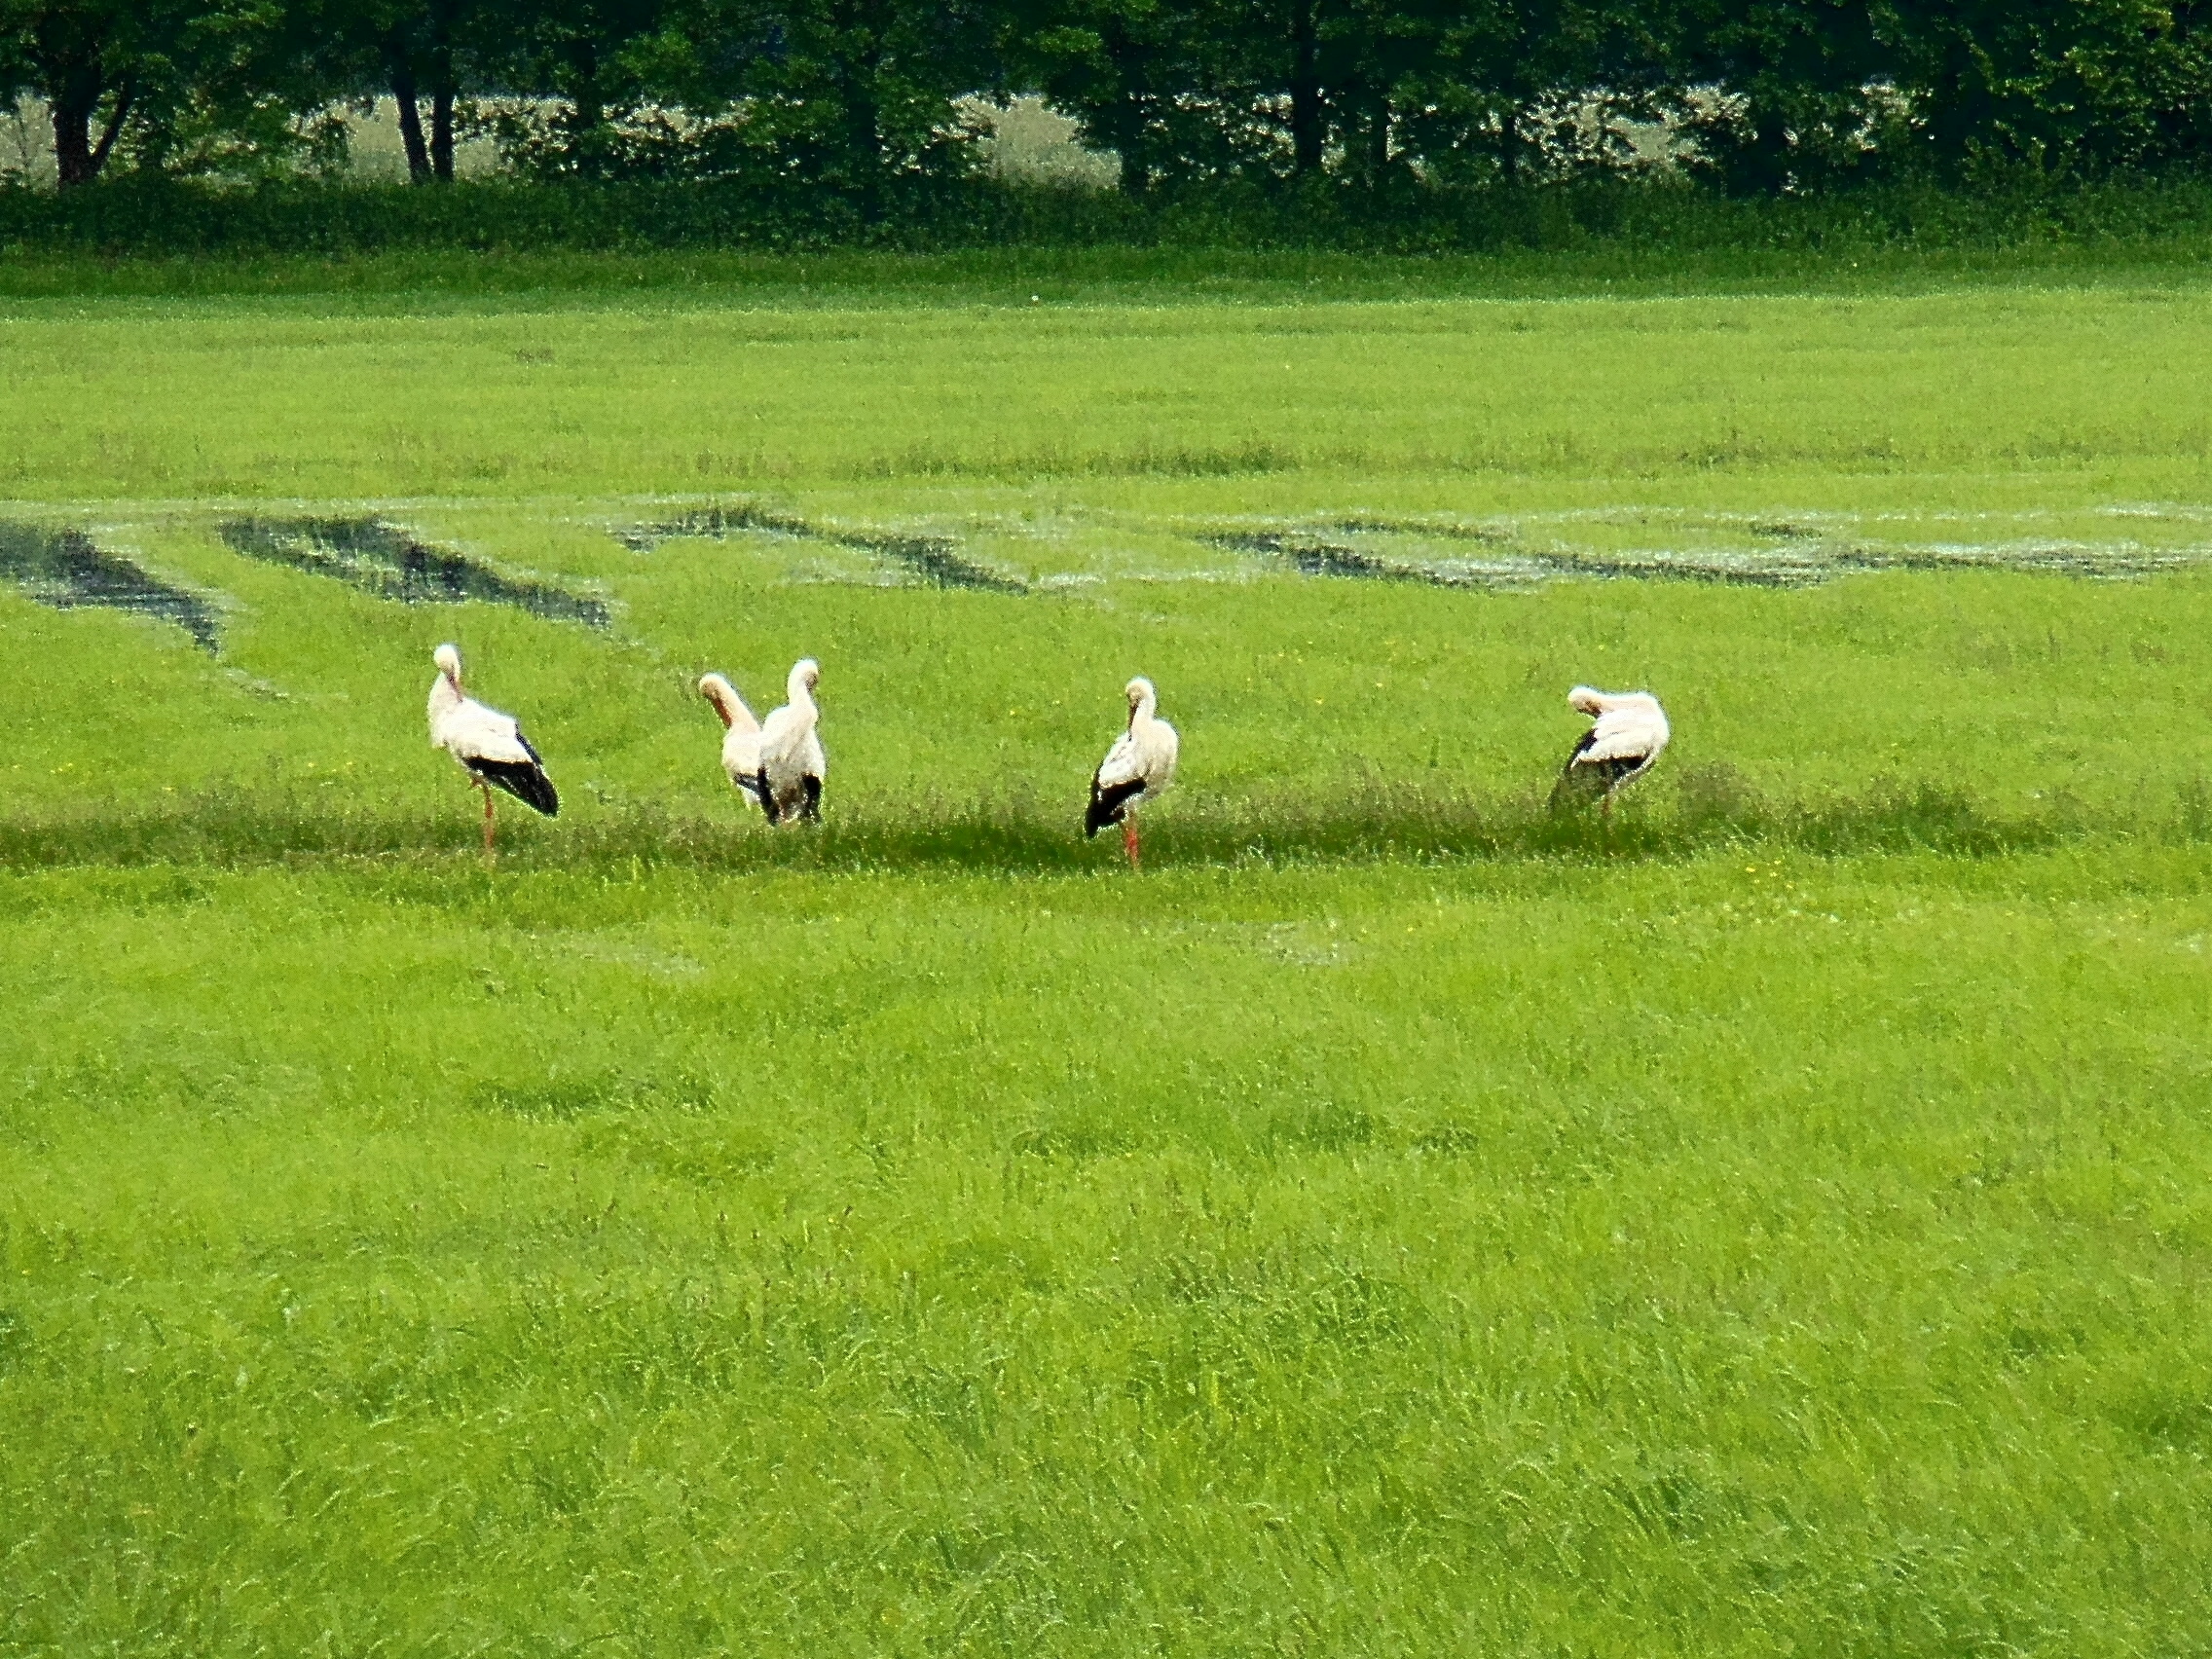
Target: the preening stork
(741, 741)
(1631, 730)
(489, 746)
(788, 776)
(1139, 767)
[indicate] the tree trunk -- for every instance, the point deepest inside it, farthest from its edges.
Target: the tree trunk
(1509, 146)
(1961, 109)
(1306, 123)
(72, 142)
(864, 148)
(410, 118)
(441, 134)
(441, 93)
(1128, 129)
(588, 114)
(1770, 154)
(77, 160)
(1136, 169)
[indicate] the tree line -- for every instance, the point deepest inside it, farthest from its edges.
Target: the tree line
(865, 99)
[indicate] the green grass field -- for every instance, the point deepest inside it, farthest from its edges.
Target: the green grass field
(1397, 1221)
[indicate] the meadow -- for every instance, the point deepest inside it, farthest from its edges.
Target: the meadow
(1395, 1221)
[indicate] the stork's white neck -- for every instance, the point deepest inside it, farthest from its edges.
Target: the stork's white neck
(444, 697)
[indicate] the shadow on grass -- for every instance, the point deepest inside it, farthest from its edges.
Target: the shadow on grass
(1387, 825)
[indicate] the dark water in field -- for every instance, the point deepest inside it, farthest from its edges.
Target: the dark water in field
(1311, 557)
(65, 570)
(1794, 556)
(382, 559)
(1509, 556)
(1508, 569)
(935, 558)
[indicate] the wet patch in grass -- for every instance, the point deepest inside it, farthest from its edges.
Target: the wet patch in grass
(936, 559)
(381, 559)
(1518, 569)
(1804, 557)
(1311, 556)
(2087, 560)
(1772, 550)
(65, 570)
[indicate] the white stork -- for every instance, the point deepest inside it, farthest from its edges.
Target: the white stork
(489, 746)
(788, 775)
(1631, 730)
(741, 740)
(1139, 767)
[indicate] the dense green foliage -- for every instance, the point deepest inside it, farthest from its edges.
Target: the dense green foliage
(860, 107)
(1664, 227)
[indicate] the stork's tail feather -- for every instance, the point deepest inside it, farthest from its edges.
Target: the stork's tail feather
(1108, 804)
(1585, 781)
(1574, 786)
(524, 780)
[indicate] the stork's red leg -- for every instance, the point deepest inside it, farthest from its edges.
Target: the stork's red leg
(487, 788)
(1130, 839)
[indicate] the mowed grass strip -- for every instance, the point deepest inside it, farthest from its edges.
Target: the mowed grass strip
(241, 398)
(1732, 1257)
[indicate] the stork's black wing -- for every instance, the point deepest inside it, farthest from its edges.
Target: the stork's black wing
(524, 780)
(1109, 803)
(1581, 781)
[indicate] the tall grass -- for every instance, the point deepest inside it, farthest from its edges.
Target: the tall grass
(1718, 1256)
(228, 828)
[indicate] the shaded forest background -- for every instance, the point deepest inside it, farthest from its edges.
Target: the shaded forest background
(796, 120)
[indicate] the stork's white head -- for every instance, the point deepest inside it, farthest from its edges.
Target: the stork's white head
(1585, 700)
(1139, 691)
(806, 674)
(448, 660)
(717, 690)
